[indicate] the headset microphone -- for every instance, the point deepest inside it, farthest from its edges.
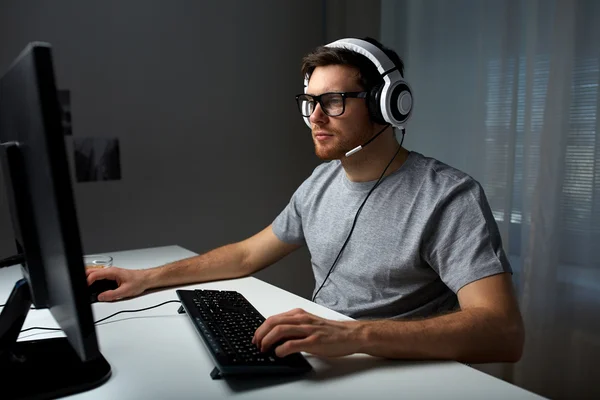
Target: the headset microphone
(359, 148)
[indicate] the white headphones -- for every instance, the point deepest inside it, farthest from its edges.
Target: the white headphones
(389, 103)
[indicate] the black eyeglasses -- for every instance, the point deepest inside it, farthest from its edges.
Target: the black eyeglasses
(332, 104)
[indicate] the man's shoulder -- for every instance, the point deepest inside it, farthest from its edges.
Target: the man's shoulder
(438, 171)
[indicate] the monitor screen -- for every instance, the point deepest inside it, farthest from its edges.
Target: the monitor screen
(41, 202)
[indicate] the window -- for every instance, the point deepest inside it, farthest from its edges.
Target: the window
(514, 125)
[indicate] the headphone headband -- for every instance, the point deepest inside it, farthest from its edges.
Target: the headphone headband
(372, 52)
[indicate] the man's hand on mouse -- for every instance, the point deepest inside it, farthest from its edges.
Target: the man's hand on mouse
(298, 330)
(129, 281)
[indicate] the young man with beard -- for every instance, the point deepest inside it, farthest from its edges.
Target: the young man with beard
(402, 243)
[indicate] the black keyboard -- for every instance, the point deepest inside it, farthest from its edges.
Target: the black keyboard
(226, 321)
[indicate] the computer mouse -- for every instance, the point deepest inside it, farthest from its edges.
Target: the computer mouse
(99, 286)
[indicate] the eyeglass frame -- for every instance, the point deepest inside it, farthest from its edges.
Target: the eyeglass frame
(317, 98)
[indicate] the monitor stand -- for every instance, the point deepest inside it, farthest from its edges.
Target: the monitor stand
(45, 368)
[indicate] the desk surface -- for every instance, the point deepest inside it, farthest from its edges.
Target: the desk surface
(158, 354)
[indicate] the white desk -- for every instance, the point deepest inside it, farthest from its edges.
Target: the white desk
(157, 354)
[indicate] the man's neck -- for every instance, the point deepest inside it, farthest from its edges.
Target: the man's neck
(369, 163)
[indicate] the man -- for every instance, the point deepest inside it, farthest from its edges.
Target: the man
(403, 243)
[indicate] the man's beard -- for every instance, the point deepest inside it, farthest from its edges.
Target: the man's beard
(331, 153)
(341, 147)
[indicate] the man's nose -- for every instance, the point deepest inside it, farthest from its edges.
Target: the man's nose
(318, 115)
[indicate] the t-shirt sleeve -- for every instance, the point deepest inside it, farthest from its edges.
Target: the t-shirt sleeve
(463, 243)
(287, 226)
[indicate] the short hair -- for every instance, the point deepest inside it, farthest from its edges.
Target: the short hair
(368, 75)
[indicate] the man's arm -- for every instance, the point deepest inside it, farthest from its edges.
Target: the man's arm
(226, 262)
(488, 328)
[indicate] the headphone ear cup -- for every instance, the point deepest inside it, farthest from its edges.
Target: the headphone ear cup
(373, 104)
(401, 102)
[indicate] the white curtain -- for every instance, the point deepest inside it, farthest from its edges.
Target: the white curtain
(507, 91)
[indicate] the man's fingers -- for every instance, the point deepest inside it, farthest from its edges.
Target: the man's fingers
(89, 271)
(111, 295)
(98, 274)
(294, 346)
(294, 311)
(266, 327)
(284, 332)
(293, 317)
(92, 277)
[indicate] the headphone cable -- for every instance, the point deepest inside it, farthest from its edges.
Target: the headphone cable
(356, 216)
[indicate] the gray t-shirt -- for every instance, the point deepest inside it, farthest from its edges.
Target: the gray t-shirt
(425, 232)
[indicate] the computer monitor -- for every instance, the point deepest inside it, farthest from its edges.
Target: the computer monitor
(41, 202)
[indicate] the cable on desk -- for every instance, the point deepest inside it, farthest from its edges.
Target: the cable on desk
(110, 316)
(141, 309)
(40, 327)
